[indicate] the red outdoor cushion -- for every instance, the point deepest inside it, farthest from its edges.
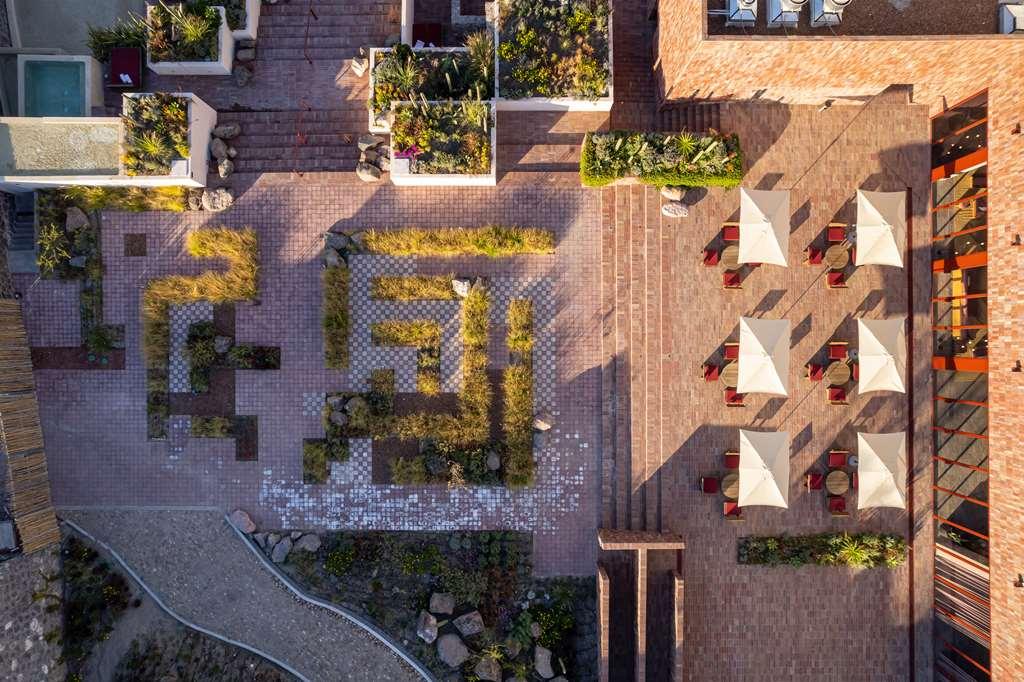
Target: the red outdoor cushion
(711, 257)
(732, 397)
(815, 255)
(730, 278)
(837, 394)
(815, 481)
(836, 234)
(836, 503)
(732, 460)
(709, 485)
(731, 509)
(732, 351)
(856, 371)
(836, 278)
(127, 61)
(854, 480)
(815, 372)
(711, 372)
(731, 233)
(428, 33)
(836, 459)
(837, 351)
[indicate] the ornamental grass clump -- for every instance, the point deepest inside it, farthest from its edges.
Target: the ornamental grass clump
(860, 550)
(336, 322)
(425, 337)
(517, 386)
(493, 241)
(133, 199)
(130, 31)
(681, 159)
(554, 49)
(155, 133)
(183, 32)
(413, 288)
(444, 138)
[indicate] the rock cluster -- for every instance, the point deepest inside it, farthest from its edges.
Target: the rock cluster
(338, 246)
(374, 157)
(277, 545)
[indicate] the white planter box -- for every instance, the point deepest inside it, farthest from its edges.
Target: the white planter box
(554, 103)
(190, 172)
(402, 177)
(383, 128)
(220, 67)
(252, 21)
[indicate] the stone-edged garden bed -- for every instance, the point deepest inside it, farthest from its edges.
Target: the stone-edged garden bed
(166, 138)
(464, 604)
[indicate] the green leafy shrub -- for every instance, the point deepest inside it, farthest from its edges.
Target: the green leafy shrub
(409, 471)
(202, 355)
(211, 427)
(517, 386)
(132, 199)
(413, 288)
(555, 623)
(315, 468)
(254, 357)
(661, 159)
(861, 550)
(421, 560)
(336, 318)
(444, 137)
(425, 336)
(340, 560)
(54, 248)
(554, 49)
(183, 33)
(130, 31)
(493, 241)
(468, 587)
(155, 133)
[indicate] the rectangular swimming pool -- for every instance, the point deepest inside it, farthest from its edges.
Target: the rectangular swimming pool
(58, 85)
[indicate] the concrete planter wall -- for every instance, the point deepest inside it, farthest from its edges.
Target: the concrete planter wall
(554, 103)
(252, 21)
(383, 127)
(403, 177)
(219, 67)
(190, 172)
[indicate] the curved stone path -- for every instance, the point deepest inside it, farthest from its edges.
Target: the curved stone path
(201, 569)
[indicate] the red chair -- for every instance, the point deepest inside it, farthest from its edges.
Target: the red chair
(815, 372)
(732, 351)
(731, 280)
(732, 398)
(732, 511)
(837, 395)
(709, 485)
(838, 350)
(856, 371)
(837, 459)
(711, 257)
(837, 505)
(815, 256)
(836, 232)
(731, 460)
(854, 477)
(835, 279)
(815, 481)
(853, 254)
(711, 372)
(731, 233)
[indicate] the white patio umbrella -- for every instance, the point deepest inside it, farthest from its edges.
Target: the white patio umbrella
(764, 468)
(764, 356)
(881, 470)
(881, 228)
(764, 226)
(882, 354)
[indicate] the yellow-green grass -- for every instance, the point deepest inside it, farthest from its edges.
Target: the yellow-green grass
(520, 326)
(425, 336)
(336, 322)
(413, 288)
(211, 427)
(517, 386)
(493, 241)
(127, 198)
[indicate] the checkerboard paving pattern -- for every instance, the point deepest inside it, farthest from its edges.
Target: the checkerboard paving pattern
(181, 318)
(313, 404)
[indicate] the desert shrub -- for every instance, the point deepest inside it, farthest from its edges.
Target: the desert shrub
(493, 241)
(421, 560)
(134, 199)
(211, 427)
(555, 623)
(202, 355)
(340, 560)
(468, 587)
(254, 357)
(155, 133)
(54, 248)
(130, 31)
(336, 318)
(413, 288)
(183, 33)
(444, 137)
(860, 550)
(315, 468)
(409, 471)
(661, 159)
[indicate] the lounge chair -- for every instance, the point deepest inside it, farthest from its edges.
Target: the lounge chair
(815, 372)
(836, 232)
(710, 372)
(732, 511)
(732, 351)
(837, 458)
(732, 398)
(837, 396)
(731, 460)
(711, 257)
(814, 481)
(838, 350)
(854, 479)
(856, 371)
(837, 505)
(815, 256)
(709, 485)
(835, 279)
(731, 280)
(731, 232)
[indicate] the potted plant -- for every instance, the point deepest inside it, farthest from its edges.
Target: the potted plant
(165, 138)
(443, 143)
(189, 40)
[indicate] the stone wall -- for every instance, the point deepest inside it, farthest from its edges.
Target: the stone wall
(25, 655)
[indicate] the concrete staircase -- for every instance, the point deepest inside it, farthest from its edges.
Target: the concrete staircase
(335, 29)
(696, 117)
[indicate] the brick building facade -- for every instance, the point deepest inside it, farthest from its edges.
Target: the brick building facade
(942, 70)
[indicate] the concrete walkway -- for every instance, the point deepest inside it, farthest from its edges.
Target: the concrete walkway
(201, 569)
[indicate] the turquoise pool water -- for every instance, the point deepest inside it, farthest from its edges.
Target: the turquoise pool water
(55, 88)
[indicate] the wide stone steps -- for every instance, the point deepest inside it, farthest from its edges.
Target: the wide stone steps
(696, 117)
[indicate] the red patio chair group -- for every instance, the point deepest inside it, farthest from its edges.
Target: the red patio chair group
(711, 257)
(837, 505)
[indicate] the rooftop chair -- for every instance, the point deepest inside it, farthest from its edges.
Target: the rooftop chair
(856, 371)
(711, 257)
(838, 350)
(835, 279)
(854, 479)
(732, 511)
(814, 481)
(732, 398)
(731, 460)
(837, 458)
(709, 485)
(784, 12)
(125, 68)
(741, 13)
(815, 372)
(836, 232)
(1011, 18)
(710, 371)
(827, 12)
(732, 351)
(731, 232)
(837, 505)
(815, 256)
(731, 280)
(837, 396)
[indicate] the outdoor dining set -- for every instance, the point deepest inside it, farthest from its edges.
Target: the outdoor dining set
(758, 473)
(762, 237)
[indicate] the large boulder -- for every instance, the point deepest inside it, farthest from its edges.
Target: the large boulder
(218, 148)
(331, 257)
(452, 651)
(442, 602)
(357, 404)
(359, 66)
(281, 550)
(75, 219)
(222, 344)
(227, 131)
(217, 199)
(488, 668)
(310, 542)
(194, 199)
(493, 461)
(543, 421)
(461, 287)
(368, 141)
(242, 521)
(246, 54)
(225, 167)
(675, 209)
(336, 240)
(338, 418)
(470, 624)
(242, 75)
(542, 662)
(672, 193)
(367, 172)
(426, 627)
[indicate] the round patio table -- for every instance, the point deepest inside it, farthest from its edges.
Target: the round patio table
(731, 485)
(837, 373)
(731, 257)
(837, 482)
(731, 374)
(837, 256)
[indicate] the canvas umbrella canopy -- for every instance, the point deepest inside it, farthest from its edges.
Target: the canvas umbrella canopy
(882, 354)
(881, 228)
(764, 356)
(764, 226)
(882, 470)
(764, 468)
